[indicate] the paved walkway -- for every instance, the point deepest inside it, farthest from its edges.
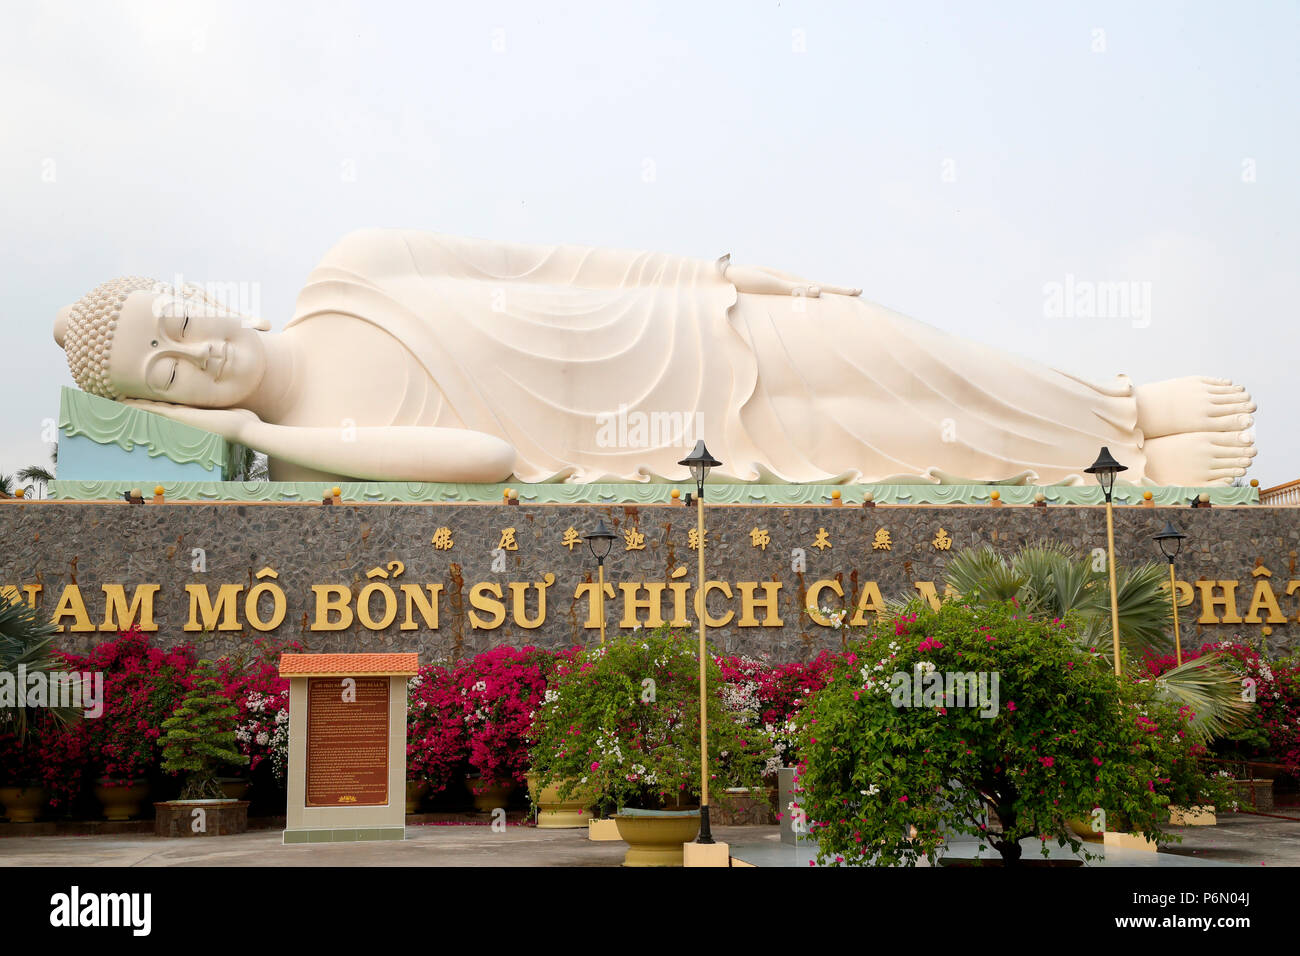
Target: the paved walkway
(1238, 839)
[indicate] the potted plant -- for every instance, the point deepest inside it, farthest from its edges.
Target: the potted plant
(913, 743)
(198, 740)
(623, 720)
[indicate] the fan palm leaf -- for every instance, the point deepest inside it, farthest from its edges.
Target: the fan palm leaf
(36, 475)
(1210, 689)
(984, 575)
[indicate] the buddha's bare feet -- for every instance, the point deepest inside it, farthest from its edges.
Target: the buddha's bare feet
(1197, 429)
(1199, 458)
(1192, 404)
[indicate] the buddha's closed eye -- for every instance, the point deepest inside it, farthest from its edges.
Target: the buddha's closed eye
(162, 374)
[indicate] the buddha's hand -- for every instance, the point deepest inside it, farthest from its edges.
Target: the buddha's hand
(231, 424)
(761, 280)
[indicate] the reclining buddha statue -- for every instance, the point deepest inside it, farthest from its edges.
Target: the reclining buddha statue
(420, 357)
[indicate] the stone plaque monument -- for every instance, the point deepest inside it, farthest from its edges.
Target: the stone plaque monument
(347, 746)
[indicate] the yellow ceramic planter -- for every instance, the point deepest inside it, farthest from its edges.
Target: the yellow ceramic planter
(121, 803)
(1083, 829)
(554, 813)
(656, 839)
(415, 791)
(22, 804)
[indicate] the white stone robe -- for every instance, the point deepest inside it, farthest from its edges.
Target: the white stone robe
(559, 349)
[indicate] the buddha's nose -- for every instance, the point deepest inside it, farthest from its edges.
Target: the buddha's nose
(198, 354)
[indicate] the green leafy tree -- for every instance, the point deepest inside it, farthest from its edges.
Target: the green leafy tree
(199, 737)
(622, 720)
(893, 742)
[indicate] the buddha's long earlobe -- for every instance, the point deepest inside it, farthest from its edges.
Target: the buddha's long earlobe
(260, 325)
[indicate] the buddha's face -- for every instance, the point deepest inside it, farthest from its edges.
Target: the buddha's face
(184, 351)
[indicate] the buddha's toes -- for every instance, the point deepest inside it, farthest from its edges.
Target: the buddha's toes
(1193, 404)
(1200, 458)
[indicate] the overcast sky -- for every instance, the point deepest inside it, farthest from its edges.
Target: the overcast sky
(954, 160)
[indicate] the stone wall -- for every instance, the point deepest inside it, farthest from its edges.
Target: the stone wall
(56, 544)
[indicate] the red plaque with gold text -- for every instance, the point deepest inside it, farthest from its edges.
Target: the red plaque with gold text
(347, 742)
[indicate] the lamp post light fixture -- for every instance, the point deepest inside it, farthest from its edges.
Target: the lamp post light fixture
(598, 543)
(699, 461)
(1106, 468)
(1171, 542)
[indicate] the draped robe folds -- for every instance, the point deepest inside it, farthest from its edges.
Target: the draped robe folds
(590, 362)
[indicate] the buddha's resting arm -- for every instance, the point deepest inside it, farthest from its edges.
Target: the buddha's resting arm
(384, 453)
(760, 280)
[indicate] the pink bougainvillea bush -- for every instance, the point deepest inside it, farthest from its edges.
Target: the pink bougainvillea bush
(475, 715)
(435, 727)
(1271, 732)
(499, 694)
(54, 756)
(142, 686)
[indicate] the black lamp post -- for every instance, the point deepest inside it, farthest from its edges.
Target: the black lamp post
(1106, 468)
(598, 543)
(699, 461)
(1171, 542)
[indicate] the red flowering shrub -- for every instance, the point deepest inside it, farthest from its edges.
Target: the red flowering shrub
(475, 715)
(142, 686)
(435, 727)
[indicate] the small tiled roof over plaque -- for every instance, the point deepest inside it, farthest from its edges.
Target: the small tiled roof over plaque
(349, 665)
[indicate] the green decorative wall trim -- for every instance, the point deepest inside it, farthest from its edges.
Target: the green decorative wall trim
(628, 493)
(107, 422)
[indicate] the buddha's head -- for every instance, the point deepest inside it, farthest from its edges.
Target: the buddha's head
(137, 338)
